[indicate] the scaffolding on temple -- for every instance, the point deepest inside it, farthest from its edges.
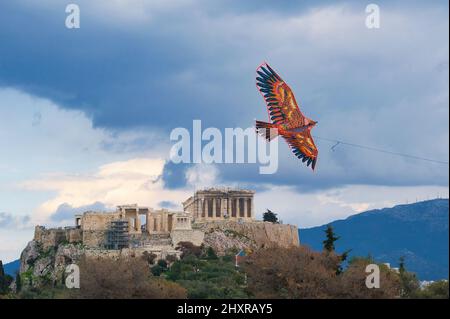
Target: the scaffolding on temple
(118, 237)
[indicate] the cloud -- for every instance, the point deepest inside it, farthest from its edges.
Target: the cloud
(370, 87)
(202, 176)
(87, 113)
(313, 209)
(168, 204)
(124, 182)
(66, 212)
(14, 222)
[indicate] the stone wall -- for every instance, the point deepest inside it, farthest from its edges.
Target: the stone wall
(54, 236)
(224, 235)
(95, 226)
(194, 236)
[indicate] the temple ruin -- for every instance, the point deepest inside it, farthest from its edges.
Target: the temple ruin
(133, 226)
(218, 204)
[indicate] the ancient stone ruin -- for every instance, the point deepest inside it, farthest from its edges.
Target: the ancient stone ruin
(145, 229)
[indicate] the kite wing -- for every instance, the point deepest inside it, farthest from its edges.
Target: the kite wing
(302, 145)
(280, 100)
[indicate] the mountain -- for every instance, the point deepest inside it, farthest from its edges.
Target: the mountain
(418, 231)
(12, 267)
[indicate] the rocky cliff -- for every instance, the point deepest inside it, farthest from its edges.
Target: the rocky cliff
(43, 262)
(228, 235)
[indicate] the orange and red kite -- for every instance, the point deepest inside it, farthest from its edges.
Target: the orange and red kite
(285, 116)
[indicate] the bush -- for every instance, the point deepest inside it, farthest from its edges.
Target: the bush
(299, 272)
(435, 290)
(189, 249)
(149, 257)
(208, 278)
(124, 278)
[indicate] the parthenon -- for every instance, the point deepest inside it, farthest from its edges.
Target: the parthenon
(216, 203)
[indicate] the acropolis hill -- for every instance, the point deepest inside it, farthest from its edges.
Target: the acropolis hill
(223, 219)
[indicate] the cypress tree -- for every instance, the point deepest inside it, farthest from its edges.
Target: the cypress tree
(328, 243)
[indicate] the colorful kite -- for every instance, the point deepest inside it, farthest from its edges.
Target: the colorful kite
(285, 115)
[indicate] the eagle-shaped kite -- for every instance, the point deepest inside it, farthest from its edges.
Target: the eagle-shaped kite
(287, 120)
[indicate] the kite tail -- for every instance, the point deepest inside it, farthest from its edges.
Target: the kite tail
(267, 130)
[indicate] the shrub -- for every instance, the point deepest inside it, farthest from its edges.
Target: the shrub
(124, 278)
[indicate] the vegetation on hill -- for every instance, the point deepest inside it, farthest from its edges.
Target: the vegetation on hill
(296, 272)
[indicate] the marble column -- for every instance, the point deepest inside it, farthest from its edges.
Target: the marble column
(206, 207)
(223, 207)
(245, 207)
(238, 208)
(137, 222)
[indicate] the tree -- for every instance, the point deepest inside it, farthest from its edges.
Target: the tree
(5, 280)
(187, 248)
(351, 283)
(270, 216)
(2, 279)
(328, 247)
(171, 259)
(409, 282)
(149, 257)
(18, 282)
(328, 243)
(401, 264)
(210, 253)
(434, 290)
(299, 272)
(296, 272)
(157, 270)
(106, 278)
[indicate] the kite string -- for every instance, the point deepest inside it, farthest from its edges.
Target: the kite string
(337, 142)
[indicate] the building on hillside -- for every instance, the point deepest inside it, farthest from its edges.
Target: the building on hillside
(220, 203)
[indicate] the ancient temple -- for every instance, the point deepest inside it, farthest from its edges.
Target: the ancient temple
(217, 203)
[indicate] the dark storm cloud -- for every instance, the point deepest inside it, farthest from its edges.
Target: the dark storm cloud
(174, 175)
(164, 64)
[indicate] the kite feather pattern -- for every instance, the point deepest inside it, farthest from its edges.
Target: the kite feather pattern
(285, 116)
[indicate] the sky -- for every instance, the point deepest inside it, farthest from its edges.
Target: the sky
(87, 113)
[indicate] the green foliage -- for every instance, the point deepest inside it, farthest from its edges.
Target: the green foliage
(157, 270)
(210, 253)
(208, 277)
(162, 263)
(49, 252)
(5, 280)
(171, 259)
(18, 282)
(189, 249)
(328, 243)
(409, 282)
(270, 216)
(435, 290)
(28, 277)
(149, 257)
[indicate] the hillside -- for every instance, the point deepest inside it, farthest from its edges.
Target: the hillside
(418, 231)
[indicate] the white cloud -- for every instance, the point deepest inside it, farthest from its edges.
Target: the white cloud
(314, 209)
(134, 181)
(202, 175)
(39, 138)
